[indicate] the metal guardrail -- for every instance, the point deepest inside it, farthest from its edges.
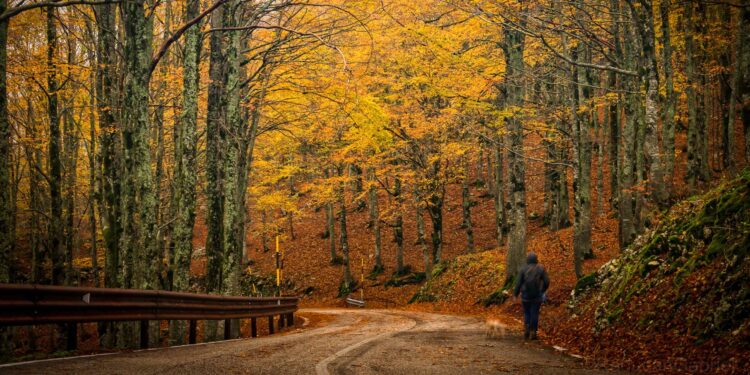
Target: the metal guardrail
(355, 302)
(23, 304)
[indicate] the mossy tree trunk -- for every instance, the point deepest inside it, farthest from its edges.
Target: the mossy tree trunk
(215, 125)
(628, 170)
(235, 172)
(643, 15)
(513, 89)
(110, 154)
(185, 178)
(56, 228)
(614, 113)
(581, 108)
(670, 99)
(138, 240)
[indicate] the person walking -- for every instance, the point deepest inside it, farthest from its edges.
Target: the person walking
(532, 283)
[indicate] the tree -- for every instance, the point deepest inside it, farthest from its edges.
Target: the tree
(55, 158)
(513, 96)
(185, 166)
(6, 212)
(669, 101)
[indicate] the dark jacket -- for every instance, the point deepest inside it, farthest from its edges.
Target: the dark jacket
(531, 271)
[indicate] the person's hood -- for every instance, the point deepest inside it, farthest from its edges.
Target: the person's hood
(531, 258)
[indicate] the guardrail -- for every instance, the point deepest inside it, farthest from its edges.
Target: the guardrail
(23, 304)
(355, 302)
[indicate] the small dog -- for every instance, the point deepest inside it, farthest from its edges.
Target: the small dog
(494, 328)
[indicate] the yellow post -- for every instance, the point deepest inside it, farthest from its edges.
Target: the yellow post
(278, 266)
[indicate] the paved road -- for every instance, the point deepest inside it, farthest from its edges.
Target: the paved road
(354, 342)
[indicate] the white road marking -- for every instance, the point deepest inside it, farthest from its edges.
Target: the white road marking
(322, 367)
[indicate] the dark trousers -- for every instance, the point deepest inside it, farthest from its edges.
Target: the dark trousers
(531, 314)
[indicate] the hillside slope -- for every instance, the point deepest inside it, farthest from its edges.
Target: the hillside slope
(678, 299)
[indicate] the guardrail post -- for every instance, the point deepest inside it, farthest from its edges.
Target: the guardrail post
(144, 334)
(253, 327)
(227, 329)
(281, 322)
(270, 324)
(191, 332)
(290, 319)
(72, 343)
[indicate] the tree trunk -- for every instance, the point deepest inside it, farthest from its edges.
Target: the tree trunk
(581, 96)
(71, 144)
(215, 129)
(479, 167)
(614, 114)
(264, 231)
(185, 178)
(669, 102)
(726, 85)
(355, 174)
(6, 212)
(36, 199)
(628, 166)
(743, 66)
(56, 233)
(734, 96)
(643, 14)
(704, 119)
(501, 224)
(435, 210)
(234, 165)
(92, 174)
(398, 227)
(599, 136)
(110, 155)
(347, 282)
(331, 224)
(466, 209)
(138, 241)
(421, 241)
(696, 122)
(490, 181)
(375, 220)
(513, 48)
(558, 153)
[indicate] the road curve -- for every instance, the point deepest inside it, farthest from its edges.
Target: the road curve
(354, 342)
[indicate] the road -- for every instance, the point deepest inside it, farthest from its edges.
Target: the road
(352, 342)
